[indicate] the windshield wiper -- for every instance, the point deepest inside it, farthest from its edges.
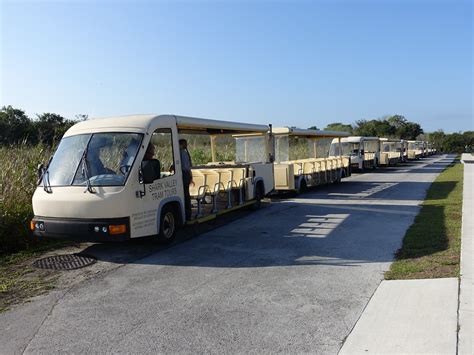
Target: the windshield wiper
(85, 172)
(43, 173)
(46, 183)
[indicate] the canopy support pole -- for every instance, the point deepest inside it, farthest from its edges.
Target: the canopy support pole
(213, 148)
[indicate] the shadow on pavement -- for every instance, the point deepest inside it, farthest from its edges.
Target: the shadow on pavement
(342, 224)
(310, 234)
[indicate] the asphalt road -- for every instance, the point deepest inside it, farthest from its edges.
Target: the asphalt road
(292, 277)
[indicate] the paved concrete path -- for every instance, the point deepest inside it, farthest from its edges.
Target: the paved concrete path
(293, 277)
(421, 316)
(466, 300)
(408, 317)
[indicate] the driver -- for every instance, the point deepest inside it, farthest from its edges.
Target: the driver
(129, 156)
(150, 152)
(96, 167)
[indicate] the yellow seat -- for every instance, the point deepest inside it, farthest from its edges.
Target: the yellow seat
(309, 167)
(238, 181)
(199, 190)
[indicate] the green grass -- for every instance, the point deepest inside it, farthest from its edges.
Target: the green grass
(18, 181)
(18, 280)
(431, 246)
(17, 184)
(18, 165)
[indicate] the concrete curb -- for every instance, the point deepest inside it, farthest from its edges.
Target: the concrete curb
(466, 312)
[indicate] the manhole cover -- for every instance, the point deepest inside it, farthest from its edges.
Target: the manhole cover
(65, 262)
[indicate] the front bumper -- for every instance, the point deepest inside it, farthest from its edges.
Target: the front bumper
(90, 230)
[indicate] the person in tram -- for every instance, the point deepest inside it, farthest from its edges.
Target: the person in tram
(95, 164)
(150, 152)
(149, 156)
(186, 165)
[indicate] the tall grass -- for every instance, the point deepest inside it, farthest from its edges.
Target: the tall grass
(18, 165)
(18, 178)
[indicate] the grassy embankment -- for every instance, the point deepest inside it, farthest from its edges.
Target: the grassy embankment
(431, 246)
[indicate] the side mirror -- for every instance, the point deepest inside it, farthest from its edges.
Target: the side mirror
(150, 171)
(362, 152)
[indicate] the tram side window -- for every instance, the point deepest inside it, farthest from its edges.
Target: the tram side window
(162, 141)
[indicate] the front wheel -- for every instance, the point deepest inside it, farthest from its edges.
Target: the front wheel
(168, 225)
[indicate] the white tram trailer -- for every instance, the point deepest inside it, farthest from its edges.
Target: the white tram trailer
(404, 150)
(415, 149)
(364, 152)
(303, 158)
(98, 186)
(390, 151)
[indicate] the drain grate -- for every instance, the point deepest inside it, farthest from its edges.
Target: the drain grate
(65, 262)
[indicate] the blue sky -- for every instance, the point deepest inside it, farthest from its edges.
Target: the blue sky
(299, 63)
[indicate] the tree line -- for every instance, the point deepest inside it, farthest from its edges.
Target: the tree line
(397, 126)
(453, 142)
(48, 128)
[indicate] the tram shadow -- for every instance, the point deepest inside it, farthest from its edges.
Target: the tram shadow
(380, 190)
(288, 234)
(344, 224)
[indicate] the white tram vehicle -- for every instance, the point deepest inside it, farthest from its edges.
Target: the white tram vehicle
(391, 151)
(364, 152)
(98, 186)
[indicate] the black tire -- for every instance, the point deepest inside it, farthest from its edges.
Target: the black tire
(169, 224)
(259, 192)
(303, 187)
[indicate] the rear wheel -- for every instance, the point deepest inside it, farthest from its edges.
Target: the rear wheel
(168, 225)
(259, 193)
(303, 187)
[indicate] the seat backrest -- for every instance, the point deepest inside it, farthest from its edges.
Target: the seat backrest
(225, 177)
(297, 167)
(238, 175)
(212, 178)
(199, 180)
(308, 167)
